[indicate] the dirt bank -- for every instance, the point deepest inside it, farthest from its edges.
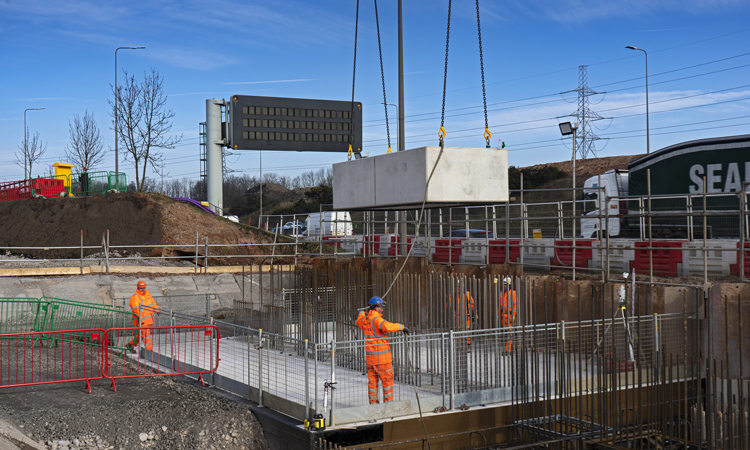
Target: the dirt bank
(32, 227)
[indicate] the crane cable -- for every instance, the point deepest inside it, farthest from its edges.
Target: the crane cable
(441, 133)
(382, 77)
(487, 134)
(354, 78)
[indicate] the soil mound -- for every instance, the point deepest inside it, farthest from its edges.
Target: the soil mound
(31, 227)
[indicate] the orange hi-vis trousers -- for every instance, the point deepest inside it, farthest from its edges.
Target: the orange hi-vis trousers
(383, 372)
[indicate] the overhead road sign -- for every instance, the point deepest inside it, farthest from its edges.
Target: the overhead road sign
(295, 124)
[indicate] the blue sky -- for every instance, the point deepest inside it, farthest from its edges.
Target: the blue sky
(59, 55)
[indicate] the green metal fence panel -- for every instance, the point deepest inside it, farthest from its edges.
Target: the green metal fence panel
(21, 315)
(74, 315)
(89, 183)
(118, 181)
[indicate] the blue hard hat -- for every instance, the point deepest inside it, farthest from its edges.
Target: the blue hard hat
(376, 301)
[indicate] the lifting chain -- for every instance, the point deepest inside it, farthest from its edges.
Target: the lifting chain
(382, 77)
(441, 133)
(354, 77)
(487, 134)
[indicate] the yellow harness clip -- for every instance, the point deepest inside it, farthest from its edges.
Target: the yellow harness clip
(487, 134)
(389, 150)
(349, 154)
(441, 133)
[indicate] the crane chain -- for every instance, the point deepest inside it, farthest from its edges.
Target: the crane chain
(382, 77)
(487, 134)
(354, 78)
(441, 133)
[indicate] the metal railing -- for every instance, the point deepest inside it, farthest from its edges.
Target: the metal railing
(708, 231)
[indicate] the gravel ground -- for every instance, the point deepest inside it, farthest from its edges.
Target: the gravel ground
(155, 413)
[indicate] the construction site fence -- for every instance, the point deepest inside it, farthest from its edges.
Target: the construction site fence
(446, 370)
(46, 357)
(77, 184)
(22, 315)
(497, 234)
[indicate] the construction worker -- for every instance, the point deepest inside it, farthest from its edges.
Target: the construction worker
(508, 313)
(143, 306)
(377, 350)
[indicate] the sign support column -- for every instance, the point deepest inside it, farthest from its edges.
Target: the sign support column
(214, 165)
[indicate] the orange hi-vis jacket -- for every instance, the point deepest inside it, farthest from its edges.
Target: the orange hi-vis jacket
(508, 308)
(377, 349)
(143, 307)
(378, 353)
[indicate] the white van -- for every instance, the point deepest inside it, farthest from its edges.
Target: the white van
(331, 223)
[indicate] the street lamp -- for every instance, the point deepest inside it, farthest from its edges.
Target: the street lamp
(566, 129)
(25, 138)
(648, 144)
(117, 158)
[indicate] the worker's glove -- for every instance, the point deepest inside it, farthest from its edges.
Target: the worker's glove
(406, 330)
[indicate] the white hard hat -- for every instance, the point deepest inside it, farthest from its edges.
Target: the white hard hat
(507, 280)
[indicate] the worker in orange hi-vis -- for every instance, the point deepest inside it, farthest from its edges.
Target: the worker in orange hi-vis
(377, 350)
(508, 305)
(143, 306)
(469, 314)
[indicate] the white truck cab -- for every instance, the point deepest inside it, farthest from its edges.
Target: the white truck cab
(611, 184)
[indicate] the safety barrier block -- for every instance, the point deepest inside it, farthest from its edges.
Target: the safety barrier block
(564, 252)
(720, 256)
(496, 251)
(666, 258)
(621, 254)
(474, 251)
(394, 248)
(370, 244)
(538, 252)
(48, 187)
(447, 251)
(735, 268)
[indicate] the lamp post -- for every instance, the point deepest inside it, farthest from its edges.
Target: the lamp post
(117, 157)
(25, 139)
(567, 129)
(648, 144)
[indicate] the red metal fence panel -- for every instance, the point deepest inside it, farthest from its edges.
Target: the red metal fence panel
(182, 350)
(45, 357)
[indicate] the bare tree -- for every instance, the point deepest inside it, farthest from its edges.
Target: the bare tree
(86, 142)
(144, 123)
(30, 151)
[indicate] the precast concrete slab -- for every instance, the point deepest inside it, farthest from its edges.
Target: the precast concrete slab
(399, 180)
